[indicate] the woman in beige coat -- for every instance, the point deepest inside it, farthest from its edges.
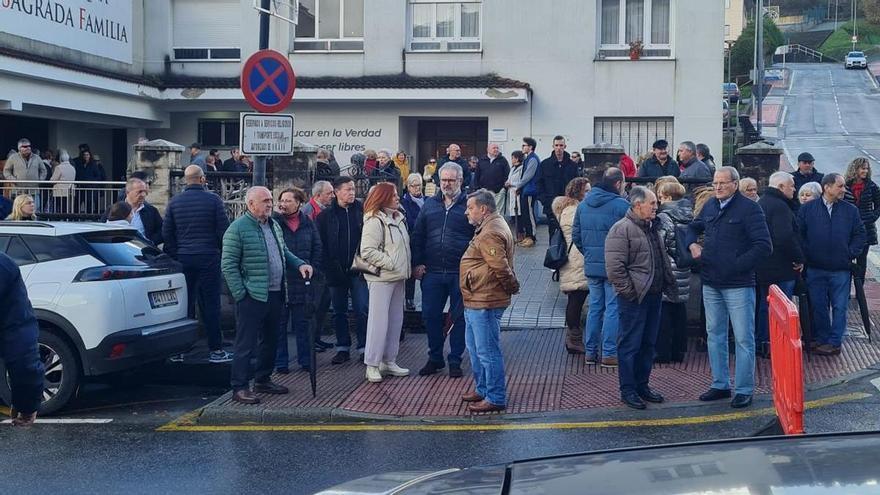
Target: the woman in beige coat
(385, 245)
(572, 280)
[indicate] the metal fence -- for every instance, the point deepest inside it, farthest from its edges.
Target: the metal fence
(230, 186)
(65, 200)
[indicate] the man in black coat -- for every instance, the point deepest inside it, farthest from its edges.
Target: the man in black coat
(340, 227)
(806, 171)
(302, 239)
(660, 164)
(441, 236)
(453, 154)
(492, 170)
(553, 175)
(195, 221)
(233, 163)
(18, 345)
(787, 259)
(145, 217)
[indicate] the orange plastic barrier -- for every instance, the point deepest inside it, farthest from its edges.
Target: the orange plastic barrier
(787, 361)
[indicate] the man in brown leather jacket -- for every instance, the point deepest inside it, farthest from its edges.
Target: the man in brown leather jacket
(640, 272)
(487, 281)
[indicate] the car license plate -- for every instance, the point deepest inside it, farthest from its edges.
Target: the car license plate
(163, 298)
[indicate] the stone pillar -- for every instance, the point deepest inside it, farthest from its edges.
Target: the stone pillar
(597, 158)
(157, 158)
(295, 170)
(759, 161)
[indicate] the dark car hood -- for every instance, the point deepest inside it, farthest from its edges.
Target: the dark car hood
(814, 465)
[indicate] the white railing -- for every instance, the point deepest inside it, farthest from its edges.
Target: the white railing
(66, 199)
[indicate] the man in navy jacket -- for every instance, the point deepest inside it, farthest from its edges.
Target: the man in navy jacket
(833, 234)
(18, 344)
(195, 221)
(553, 176)
(441, 236)
(736, 239)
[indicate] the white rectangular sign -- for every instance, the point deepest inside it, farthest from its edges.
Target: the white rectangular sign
(98, 27)
(266, 133)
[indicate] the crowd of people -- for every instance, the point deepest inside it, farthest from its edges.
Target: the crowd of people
(636, 254)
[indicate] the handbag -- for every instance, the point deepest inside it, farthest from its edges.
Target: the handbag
(360, 265)
(683, 258)
(557, 253)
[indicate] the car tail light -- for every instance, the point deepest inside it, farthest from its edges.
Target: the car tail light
(117, 351)
(98, 273)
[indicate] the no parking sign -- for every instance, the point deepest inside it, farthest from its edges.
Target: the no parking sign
(268, 81)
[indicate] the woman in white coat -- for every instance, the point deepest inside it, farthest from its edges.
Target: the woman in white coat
(572, 280)
(385, 245)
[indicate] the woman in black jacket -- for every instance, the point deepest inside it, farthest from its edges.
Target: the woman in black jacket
(301, 237)
(865, 195)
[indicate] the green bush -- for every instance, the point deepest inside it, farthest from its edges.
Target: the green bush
(742, 55)
(840, 42)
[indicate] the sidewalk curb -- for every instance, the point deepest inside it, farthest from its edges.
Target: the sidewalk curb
(220, 416)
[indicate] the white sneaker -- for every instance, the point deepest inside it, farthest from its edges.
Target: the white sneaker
(373, 375)
(393, 369)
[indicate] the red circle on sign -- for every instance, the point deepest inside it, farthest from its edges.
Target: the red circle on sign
(251, 94)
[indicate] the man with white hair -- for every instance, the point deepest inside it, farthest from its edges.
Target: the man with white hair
(195, 221)
(254, 263)
(322, 197)
(736, 240)
(145, 217)
(692, 167)
(492, 172)
(782, 266)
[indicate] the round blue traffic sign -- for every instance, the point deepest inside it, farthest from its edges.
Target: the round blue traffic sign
(268, 81)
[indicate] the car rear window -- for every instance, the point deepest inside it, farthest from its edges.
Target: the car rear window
(120, 248)
(49, 248)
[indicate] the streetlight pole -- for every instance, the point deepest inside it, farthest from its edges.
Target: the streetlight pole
(259, 174)
(758, 86)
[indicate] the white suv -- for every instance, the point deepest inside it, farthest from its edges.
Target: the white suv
(856, 60)
(104, 297)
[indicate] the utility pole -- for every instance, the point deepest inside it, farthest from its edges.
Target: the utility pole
(758, 86)
(855, 16)
(259, 174)
(836, 5)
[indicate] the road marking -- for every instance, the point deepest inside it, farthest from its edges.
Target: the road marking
(871, 78)
(791, 82)
(187, 422)
(837, 104)
(65, 421)
(876, 383)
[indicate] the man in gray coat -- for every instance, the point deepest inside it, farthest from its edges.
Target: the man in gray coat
(639, 271)
(692, 167)
(24, 165)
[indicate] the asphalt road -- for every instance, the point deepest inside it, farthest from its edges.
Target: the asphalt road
(832, 113)
(129, 455)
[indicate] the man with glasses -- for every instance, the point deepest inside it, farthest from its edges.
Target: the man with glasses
(736, 239)
(659, 165)
(24, 165)
(440, 237)
(453, 154)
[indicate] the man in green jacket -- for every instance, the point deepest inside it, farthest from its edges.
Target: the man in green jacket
(254, 263)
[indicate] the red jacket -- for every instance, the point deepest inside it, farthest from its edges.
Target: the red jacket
(627, 166)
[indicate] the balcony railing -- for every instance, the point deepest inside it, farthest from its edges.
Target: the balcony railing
(66, 200)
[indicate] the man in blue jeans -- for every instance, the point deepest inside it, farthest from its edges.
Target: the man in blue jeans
(340, 228)
(440, 237)
(736, 239)
(601, 208)
(781, 267)
(487, 281)
(833, 234)
(195, 221)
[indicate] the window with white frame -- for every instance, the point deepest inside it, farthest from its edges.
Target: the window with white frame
(202, 35)
(623, 22)
(444, 25)
(635, 134)
(330, 25)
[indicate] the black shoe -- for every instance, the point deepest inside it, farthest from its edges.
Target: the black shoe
(320, 349)
(340, 357)
(324, 345)
(714, 394)
(650, 395)
(431, 368)
(283, 371)
(410, 305)
(741, 400)
(455, 371)
(305, 367)
(270, 388)
(633, 400)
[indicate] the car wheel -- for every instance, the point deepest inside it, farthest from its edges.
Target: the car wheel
(62, 373)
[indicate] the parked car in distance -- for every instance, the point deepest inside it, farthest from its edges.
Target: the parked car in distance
(856, 60)
(731, 92)
(106, 300)
(725, 113)
(807, 464)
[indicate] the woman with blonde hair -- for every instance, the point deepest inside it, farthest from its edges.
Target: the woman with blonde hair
(674, 211)
(402, 162)
(572, 280)
(23, 208)
(809, 192)
(385, 246)
(863, 192)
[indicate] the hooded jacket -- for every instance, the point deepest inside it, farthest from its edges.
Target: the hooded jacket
(599, 210)
(671, 215)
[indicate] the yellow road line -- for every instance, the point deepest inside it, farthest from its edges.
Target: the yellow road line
(187, 422)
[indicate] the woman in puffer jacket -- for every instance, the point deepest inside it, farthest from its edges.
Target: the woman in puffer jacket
(674, 210)
(572, 280)
(385, 245)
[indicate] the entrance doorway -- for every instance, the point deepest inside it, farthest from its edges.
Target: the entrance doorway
(436, 135)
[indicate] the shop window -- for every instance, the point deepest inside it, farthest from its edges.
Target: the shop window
(218, 132)
(622, 22)
(445, 26)
(330, 26)
(636, 135)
